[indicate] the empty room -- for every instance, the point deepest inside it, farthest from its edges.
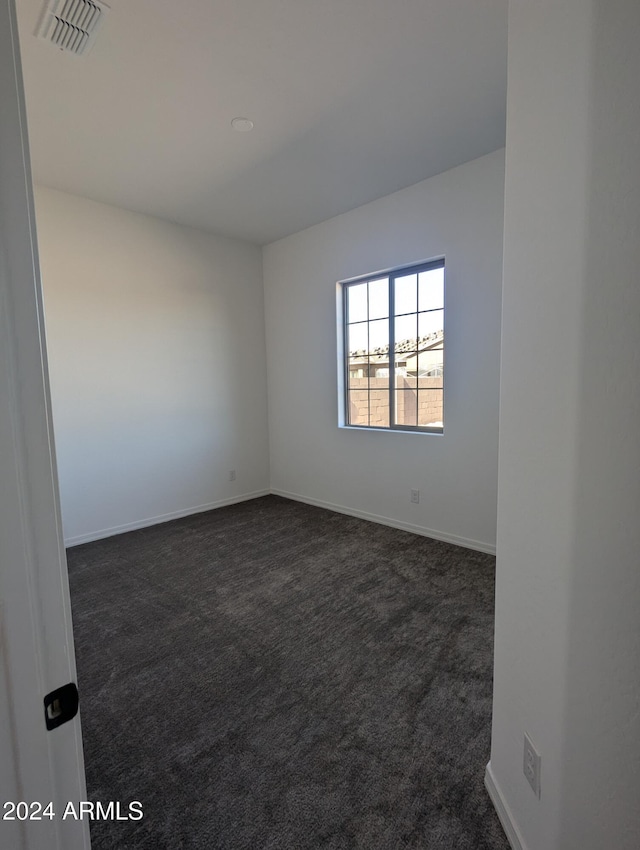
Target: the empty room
(320, 469)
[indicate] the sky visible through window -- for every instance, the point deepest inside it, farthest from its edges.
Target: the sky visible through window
(428, 296)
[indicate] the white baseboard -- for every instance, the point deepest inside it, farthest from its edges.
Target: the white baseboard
(341, 509)
(502, 810)
(478, 545)
(156, 520)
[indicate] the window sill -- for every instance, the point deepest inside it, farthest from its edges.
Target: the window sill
(369, 430)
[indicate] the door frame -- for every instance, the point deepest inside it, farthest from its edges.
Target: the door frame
(36, 640)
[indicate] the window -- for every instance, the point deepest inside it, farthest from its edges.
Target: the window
(394, 349)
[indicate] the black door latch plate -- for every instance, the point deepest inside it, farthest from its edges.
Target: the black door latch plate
(61, 705)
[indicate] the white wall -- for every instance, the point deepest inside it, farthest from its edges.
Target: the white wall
(567, 643)
(458, 214)
(158, 379)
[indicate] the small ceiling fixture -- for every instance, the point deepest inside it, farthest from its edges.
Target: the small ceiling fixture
(242, 125)
(71, 25)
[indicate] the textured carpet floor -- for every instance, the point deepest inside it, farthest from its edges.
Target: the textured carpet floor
(272, 675)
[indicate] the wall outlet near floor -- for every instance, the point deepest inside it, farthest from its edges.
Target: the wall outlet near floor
(232, 475)
(415, 497)
(531, 765)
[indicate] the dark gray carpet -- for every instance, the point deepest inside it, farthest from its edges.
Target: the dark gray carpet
(272, 675)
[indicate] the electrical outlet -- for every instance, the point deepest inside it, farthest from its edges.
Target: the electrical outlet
(232, 475)
(415, 497)
(531, 765)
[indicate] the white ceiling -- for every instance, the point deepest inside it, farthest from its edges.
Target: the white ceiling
(351, 100)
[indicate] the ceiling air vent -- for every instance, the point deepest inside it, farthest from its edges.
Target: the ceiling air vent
(71, 25)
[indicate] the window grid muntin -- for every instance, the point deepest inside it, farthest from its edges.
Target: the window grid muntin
(392, 276)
